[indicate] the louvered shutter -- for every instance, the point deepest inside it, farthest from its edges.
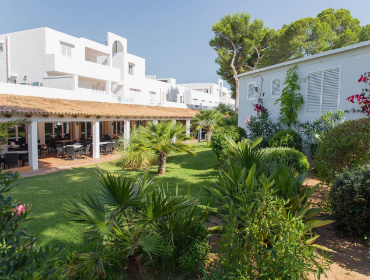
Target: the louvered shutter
(251, 90)
(275, 92)
(330, 92)
(314, 93)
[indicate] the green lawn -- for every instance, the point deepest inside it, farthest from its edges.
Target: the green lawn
(48, 193)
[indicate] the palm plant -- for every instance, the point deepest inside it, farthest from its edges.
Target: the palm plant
(207, 120)
(128, 219)
(159, 139)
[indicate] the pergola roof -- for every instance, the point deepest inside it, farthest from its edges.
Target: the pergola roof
(18, 104)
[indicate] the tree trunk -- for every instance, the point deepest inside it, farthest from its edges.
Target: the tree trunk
(162, 158)
(209, 134)
(235, 73)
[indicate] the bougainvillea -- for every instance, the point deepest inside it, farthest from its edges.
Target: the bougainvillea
(362, 99)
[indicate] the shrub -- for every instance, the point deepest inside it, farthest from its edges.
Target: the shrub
(137, 159)
(287, 138)
(19, 257)
(344, 147)
(288, 156)
(220, 136)
(350, 201)
(261, 125)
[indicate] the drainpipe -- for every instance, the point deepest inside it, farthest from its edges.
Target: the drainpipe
(7, 60)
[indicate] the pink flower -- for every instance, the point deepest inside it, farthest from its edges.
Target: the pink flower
(248, 119)
(19, 209)
(362, 79)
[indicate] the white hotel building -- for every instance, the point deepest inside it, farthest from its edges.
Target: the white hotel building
(74, 87)
(78, 68)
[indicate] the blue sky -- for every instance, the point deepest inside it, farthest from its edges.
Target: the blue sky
(172, 35)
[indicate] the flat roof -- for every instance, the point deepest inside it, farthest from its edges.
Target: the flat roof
(298, 60)
(19, 104)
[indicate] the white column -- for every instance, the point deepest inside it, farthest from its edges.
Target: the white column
(174, 138)
(155, 122)
(77, 130)
(187, 130)
(33, 155)
(41, 132)
(96, 139)
(127, 132)
(108, 86)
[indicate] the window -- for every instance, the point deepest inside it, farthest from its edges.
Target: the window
(323, 92)
(135, 89)
(275, 88)
(131, 68)
(66, 49)
(251, 91)
(1, 47)
(117, 47)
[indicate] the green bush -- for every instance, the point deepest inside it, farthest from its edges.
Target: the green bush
(350, 201)
(19, 256)
(288, 156)
(137, 159)
(219, 141)
(346, 146)
(286, 138)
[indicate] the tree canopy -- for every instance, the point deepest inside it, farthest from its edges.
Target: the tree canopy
(307, 36)
(243, 45)
(239, 43)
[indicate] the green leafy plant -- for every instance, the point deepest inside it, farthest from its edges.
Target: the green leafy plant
(287, 138)
(350, 202)
(136, 159)
(219, 139)
(207, 119)
(314, 132)
(19, 257)
(266, 225)
(288, 156)
(159, 139)
(290, 100)
(346, 146)
(130, 221)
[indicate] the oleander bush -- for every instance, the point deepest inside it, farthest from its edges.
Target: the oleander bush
(287, 138)
(350, 201)
(288, 156)
(19, 256)
(345, 147)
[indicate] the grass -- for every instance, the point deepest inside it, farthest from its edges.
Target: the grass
(48, 193)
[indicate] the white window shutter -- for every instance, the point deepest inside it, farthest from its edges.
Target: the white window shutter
(251, 90)
(314, 93)
(69, 51)
(64, 50)
(330, 97)
(276, 91)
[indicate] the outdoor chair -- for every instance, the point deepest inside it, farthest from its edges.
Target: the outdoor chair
(108, 148)
(86, 151)
(60, 151)
(70, 152)
(11, 159)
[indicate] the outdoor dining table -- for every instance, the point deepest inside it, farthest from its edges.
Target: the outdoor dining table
(76, 146)
(64, 141)
(21, 155)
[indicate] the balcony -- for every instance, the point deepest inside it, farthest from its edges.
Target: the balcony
(73, 66)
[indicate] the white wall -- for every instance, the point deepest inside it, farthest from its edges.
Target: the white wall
(353, 63)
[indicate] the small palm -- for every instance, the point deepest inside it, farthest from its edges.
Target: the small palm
(159, 138)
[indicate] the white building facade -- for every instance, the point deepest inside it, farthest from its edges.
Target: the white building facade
(64, 66)
(326, 81)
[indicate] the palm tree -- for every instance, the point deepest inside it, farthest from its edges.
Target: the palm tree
(159, 139)
(207, 119)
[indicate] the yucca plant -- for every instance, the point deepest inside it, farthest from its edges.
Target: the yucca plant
(129, 220)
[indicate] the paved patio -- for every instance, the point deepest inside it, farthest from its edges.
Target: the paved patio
(50, 164)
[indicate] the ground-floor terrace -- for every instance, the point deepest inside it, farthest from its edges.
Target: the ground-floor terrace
(92, 128)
